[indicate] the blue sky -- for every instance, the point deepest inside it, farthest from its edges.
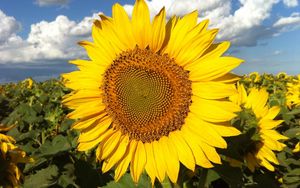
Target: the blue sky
(38, 37)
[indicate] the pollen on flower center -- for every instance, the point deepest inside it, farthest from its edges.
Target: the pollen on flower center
(147, 94)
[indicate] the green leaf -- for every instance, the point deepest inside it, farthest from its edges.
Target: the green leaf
(292, 132)
(87, 176)
(66, 124)
(68, 177)
(37, 162)
(58, 144)
(211, 176)
(294, 111)
(232, 175)
(127, 182)
(43, 178)
(266, 179)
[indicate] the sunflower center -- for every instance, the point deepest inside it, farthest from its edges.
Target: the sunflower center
(147, 94)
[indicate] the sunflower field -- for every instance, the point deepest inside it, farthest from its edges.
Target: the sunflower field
(156, 104)
(38, 146)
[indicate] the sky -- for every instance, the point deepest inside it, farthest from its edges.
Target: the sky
(39, 37)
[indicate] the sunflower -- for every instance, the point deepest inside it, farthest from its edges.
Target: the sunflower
(10, 156)
(293, 93)
(260, 118)
(255, 77)
(153, 94)
(282, 75)
(28, 82)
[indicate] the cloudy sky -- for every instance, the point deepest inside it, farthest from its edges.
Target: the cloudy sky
(38, 37)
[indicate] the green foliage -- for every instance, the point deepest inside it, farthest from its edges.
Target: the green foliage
(44, 133)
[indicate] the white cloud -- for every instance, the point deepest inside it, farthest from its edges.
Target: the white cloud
(180, 8)
(9, 28)
(43, 3)
(243, 26)
(48, 41)
(290, 3)
(285, 24)
(277, 52)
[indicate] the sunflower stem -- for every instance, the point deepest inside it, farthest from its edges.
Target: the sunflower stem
(203, 176)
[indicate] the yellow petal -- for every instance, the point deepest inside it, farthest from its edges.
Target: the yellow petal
(215, 50)
(84, 146)
(123, 26)
(257, 100)
(81, 97)
(266, 164)
(178, 33)
(141, 23)
(225, 130)
(211, 69)
(210, 152)
(297, 148)
(204, 131)
(272, 143)
(194, 32)
(269, 124)
(195, 48)
(273, 112)
(170, 157)
(102, 40)
(213, 111)
(87, 110)
(95, 53)
(90, 121)
(3, 148)
(264, 152)
(115, 156)
(123, 164)
(110, 144)
(192, 141)
(93, 132)
(109, 34)
(150, 166)
(159, 30)
(228, 78)
(274, 135)
(184, 152)
(138, 162)
(213, 90)
(82, 84)
(159, 161)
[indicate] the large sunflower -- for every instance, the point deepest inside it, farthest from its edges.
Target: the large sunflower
(154, 94)
(266, 139)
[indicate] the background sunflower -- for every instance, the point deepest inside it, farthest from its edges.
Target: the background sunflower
(258, 118)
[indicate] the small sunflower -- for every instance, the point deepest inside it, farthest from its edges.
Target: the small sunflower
(28, 82)
(154, 94)
(255, 77)
(261, 118)
(293, 93)
(10, 156)
(282, 75)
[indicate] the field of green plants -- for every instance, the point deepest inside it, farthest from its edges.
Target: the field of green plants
(41, 129)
